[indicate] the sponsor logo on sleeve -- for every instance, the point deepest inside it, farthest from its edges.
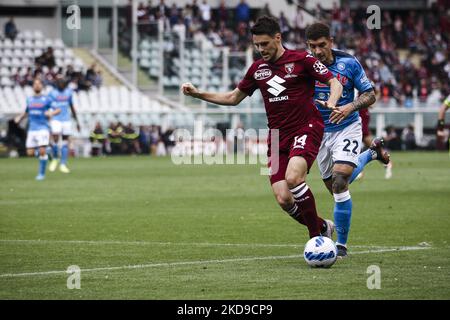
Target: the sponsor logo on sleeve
(319, 67)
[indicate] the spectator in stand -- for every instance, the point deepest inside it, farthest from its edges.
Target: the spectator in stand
(130, 140)
(408, 138)
(222, 13)
(115, 132)
(144, 139)
(98, 140)
(243, 12)
(47, 58)
(195, 9)
(174, 15)
(11, 29)
(205, 14)
(284, 26)
(93, 76)
(423, 90)
(299, 25)
(162, 10)
(391, 139)
(155, 137)
(335, 19)
(168, 139)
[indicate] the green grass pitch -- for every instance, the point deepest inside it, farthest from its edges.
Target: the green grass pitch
(143, 228)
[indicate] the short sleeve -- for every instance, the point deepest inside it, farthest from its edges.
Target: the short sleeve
(360, 80)
(248, 83)
(48, 102)
(317, 69)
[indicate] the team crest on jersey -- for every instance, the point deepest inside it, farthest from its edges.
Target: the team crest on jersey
(262, 74)
(289, 67)
(319, 67)
(341, 66)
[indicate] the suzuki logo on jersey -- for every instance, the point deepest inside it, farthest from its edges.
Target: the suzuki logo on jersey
(275, 87)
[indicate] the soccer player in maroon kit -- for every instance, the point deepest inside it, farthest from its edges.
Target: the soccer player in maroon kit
(286, 80)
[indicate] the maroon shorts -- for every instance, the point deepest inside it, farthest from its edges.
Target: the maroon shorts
(304, 142)
(365, 119)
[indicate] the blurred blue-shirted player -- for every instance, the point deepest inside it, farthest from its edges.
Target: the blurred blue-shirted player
(339, 157)
(38, 109)
(61, 124)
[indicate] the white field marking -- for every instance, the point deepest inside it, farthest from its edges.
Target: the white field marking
(186, 263)
(157, 243)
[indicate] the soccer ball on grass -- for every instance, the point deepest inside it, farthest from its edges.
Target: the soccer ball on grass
(320, 252)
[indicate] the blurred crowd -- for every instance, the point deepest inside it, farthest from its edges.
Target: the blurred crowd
(406, 58)
(46, 68)
(120, 139)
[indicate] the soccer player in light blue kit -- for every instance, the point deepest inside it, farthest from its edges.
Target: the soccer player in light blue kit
(38, 109)
(339, 157)
(61, 124)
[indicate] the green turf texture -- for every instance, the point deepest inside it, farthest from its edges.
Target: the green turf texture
(166, 219)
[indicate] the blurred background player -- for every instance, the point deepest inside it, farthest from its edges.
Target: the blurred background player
(286, 81)
(341, 144)
(61, 124)
(441, 120)
(38, 109)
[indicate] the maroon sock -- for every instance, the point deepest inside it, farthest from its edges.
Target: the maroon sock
(307, 209)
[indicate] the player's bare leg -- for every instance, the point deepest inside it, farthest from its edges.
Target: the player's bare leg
(295, 197)
(55, 152)
(64, 154)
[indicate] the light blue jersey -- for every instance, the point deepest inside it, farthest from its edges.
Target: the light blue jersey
(347, 69)
(36, 108)
(62, 100)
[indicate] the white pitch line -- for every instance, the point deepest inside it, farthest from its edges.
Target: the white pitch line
(156, 243)
(185, 263)
(153, 265)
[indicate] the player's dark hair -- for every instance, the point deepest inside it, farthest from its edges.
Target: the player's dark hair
(266, 25)
(317, 30)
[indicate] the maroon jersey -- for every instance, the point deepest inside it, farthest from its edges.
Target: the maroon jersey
(287, 86)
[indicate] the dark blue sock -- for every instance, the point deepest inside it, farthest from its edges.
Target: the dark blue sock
(42, 164)
(55, 150)
(64, 153)
(363, 159)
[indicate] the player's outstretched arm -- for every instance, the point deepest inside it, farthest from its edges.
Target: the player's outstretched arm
(335, 94)
(230, 98)
(52, 112)
(20, 117)
(74, 114)
(365, 100)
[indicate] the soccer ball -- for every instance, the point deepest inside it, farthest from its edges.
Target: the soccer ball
(320, 252)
